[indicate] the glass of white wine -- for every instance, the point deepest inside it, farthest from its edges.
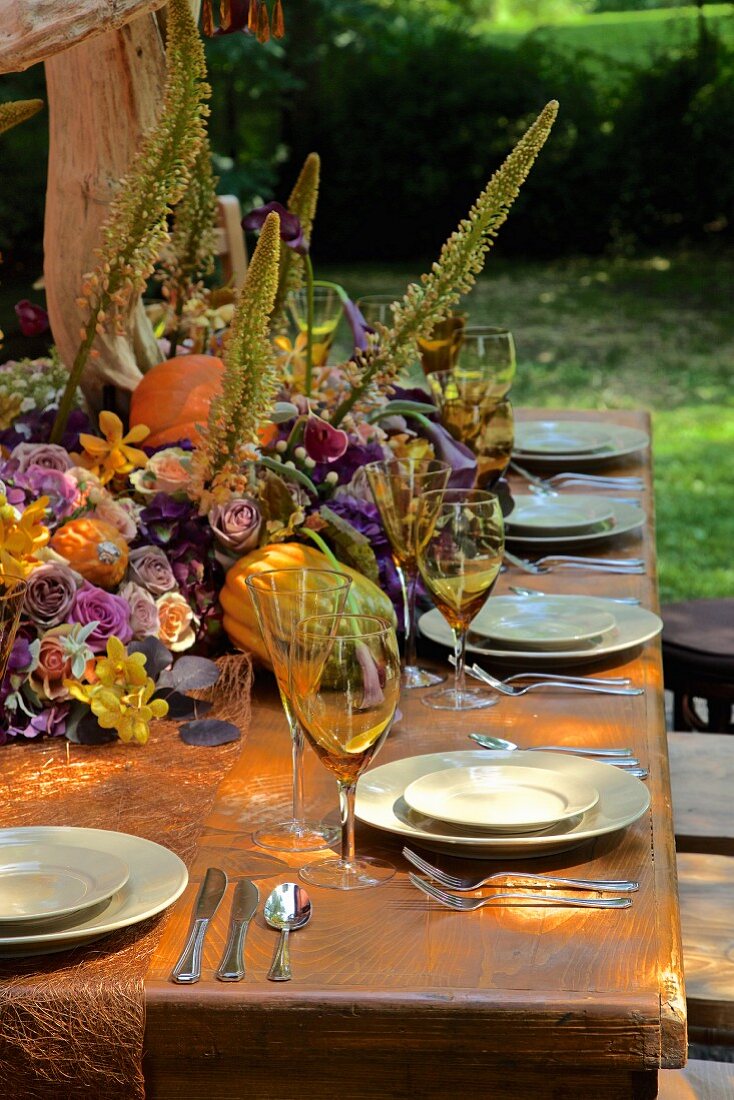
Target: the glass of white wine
(344, 686)
(461, 542)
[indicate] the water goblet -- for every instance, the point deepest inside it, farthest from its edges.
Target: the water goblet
(397, 486)
(281, 598)
(376, 308)
(345, 685)
(487, 427)
(460, 546)
(487, 359)
(327, 312)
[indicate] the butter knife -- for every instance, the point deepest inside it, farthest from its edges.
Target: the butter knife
(244, 905)
(188, 968)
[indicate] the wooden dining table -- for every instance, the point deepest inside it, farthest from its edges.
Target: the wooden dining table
(394, 996)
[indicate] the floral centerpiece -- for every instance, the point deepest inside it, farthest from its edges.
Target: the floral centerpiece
(135, 539)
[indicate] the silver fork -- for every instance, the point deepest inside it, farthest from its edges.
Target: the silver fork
(613, 681)
(628, 484)
(568, 685)
(627, 567)
(549, 882)
(468, 905)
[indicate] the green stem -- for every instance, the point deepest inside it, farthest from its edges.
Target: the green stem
(309, 323)
(75, 374)
(180, 302)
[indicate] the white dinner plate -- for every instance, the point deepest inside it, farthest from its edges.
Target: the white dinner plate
(548, 623)
(157, 878)
(634, 626)
(500, 798)
(625, 518)
(380, 802)
(40, 881)
(537, 516)
(553, 437)
(622, 441)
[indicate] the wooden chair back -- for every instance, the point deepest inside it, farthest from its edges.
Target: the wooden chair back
(231, 247)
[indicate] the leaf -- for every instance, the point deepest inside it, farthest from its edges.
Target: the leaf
(184, 707)
(89, 732)
(276, 502)
(353, 548)
(289, 472)
(157, 657)
(402, 408)
(193, 674)
(209, 731)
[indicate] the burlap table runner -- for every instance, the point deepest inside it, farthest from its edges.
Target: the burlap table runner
(72, 1024)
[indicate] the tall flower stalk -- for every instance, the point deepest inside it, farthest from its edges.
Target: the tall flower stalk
(250, 380)
(11, 114)
(460, 261)
(302, 203)
(137, 229)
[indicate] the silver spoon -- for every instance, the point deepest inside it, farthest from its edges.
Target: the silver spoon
(632, 600)
(488, 742)
(287, 908)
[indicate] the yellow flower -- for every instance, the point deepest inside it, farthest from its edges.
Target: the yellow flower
(291, 357)
(22, 534)
(113, 454)
(119, 668)
(139, 713)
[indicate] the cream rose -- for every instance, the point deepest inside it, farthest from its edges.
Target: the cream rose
(168, 471)
(177, 622)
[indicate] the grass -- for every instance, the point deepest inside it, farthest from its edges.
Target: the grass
(627, 37)
(655, 334)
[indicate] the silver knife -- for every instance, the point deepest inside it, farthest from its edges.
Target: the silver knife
(244, 904)
(188, 968)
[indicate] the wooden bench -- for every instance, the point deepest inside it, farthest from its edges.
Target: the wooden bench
(702, 783)
(698, 1081)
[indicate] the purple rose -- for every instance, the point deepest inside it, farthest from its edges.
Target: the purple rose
(236, 525)
(323, 442)
(111, 613)
(48, 455)
(150, 567)
(144, 619)
(61, 489)
(51, 594)
(33, 319)
(291, 232)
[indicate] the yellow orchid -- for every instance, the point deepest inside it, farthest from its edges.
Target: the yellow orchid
(291, 355)
(140, 712)
(119, 667)
(22, 534)
(114, 454)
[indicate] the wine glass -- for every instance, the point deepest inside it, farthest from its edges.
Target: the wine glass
(440, 350)
(345, 685)
(281, 598)
(12, 594)
(461, 541)
(327, 312)
(487, 355)
(485, 424)
(397, 486)
(375, 308)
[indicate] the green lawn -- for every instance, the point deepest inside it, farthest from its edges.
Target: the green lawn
(656, 334)
(627, 37)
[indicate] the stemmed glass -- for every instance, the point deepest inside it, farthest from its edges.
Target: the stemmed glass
(397, 486)
(461, 541)
(488, 355)
(485, 424)
(327, 312)
(375, 308)
(345, 685)
(281, 598)
(12, 594)
(440, 350)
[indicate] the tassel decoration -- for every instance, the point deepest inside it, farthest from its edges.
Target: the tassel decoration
(278, 21)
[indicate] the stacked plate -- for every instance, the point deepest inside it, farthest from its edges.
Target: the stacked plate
(546, 522)
(499, 804)
(575, 441)
(63, 887)
(552, 629)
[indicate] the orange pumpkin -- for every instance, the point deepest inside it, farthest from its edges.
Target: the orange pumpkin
(93, 548)
(174, 396)
(240, 621)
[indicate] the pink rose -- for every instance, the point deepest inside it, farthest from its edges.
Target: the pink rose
(144, 618)
(50, 594)
(236, 525)
(168, 471)
(54, 666)
(150, 567)
(121, 514)
(48, 455)
(111, 614)
(177, 622)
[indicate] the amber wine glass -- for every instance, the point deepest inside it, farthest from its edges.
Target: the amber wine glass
(486, 426)
(487, 357)
(281, 598)
(345, 685)
(12, 594)
(461, 541)
(397, 486)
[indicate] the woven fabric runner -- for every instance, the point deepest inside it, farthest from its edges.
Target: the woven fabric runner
(72, 1024)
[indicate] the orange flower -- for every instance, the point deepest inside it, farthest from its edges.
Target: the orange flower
(112, 455)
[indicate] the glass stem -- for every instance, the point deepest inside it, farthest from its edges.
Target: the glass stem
(410, 654)
(347, 793)
(309, 322)
(460, 635)
(297, 757)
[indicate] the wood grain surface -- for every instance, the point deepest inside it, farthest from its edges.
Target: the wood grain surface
(702, 779)
(707, 917)
(395, 997)
(698, 1081)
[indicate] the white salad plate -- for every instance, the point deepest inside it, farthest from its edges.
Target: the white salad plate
(550, 623)
(40, 881)
(157, 878)
(552, 437)
(381, 803)
(545, 515)
(500, 798)
(624, 519)
(621, 441)
(633, 627)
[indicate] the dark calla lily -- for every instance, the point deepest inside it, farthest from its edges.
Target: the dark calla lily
(323, 442)
(33, 319)
(462, 462)
(361, 331)
(291, 232)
